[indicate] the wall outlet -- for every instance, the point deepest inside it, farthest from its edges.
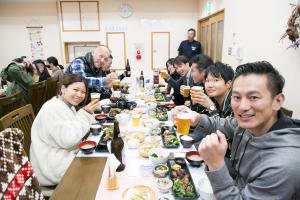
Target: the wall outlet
(229, 51)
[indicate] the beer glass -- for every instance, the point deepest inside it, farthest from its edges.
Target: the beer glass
(136, 120)
(183, 123)
(95, 95)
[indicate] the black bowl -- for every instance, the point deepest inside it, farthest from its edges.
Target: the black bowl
(95, 129)
(186, 143)
(101, 118)
(180, 161)
(193, 157)
(87, 147)
(106, 108)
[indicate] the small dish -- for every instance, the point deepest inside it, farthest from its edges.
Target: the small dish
(186, 141)
(160, 171)
(158, 156)
(95, 129)
(164, 184)
(101, 117)
(87, 146)
(180, 161)
(194, 158)
(106, 108)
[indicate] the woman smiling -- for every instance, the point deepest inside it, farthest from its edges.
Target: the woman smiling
(57, 130)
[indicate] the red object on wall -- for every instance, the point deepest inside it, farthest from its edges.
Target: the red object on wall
(138, 56)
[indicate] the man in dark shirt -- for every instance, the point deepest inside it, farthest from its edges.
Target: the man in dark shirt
(190, 47)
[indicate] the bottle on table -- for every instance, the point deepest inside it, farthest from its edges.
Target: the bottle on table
(127, 69)
(142, 80)
(156, 76)
(117, 146)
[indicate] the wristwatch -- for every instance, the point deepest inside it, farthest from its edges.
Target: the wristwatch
(212, 108)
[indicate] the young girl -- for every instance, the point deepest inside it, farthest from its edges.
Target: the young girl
(58, 128)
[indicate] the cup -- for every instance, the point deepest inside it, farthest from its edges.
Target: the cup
(116, 85)
(183, 123)
(197, 89)
(136, 120)
(116, 93)
(186, 91)
(95, 95)
(164, 75)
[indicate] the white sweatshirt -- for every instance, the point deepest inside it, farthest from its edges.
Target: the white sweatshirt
(55, 135)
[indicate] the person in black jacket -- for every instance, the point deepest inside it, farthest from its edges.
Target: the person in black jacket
(172, 72)
(218, 81)
(199, 64)
(182, 66)
(190, 47)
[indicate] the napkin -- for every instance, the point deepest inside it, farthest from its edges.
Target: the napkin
(113, 164)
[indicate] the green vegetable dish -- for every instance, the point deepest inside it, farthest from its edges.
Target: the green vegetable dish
(183, 186)
(162, 116)
(170, 139)
(159, 97)
(154, 155)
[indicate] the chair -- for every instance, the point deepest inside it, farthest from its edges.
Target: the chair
(51, 88)
(17, 179)
(36, 95)
(21, 118)
(10, 103)
(287, 112)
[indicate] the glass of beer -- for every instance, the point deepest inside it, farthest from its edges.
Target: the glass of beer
(183, 123)
(186, 91)
(196, 90)
(95, 95)
(164, 75)
(116, 85)
(136, 119)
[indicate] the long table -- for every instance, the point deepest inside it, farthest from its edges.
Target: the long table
(81, 181)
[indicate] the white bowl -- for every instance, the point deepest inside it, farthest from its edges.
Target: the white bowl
(162, 156)
(164, 184)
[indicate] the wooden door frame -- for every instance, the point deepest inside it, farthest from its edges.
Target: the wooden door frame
(212, 19)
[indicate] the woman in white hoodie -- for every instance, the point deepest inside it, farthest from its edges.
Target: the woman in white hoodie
(57, 130)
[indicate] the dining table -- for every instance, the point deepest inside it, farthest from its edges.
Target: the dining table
(88, 174)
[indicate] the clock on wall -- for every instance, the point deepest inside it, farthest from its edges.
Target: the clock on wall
(125, 10)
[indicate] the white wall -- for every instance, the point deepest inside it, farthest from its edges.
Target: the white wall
(177, 17)
(258, 26)
(14, 37)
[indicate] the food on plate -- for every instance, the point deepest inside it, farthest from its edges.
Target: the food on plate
(164, 184)
(139, 135)
(162, 116)
(182, 184)
(160, 171)
(139, 192)
(170, 139)
(146, 147)
(159, 97)
(154, 155)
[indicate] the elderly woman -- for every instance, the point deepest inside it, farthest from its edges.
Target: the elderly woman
(58, 128)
